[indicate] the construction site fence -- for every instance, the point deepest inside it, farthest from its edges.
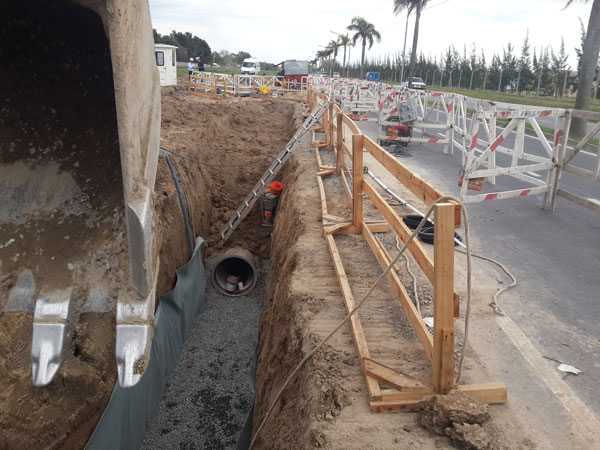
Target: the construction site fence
(240, 85)
(402, 392)
(480, 130)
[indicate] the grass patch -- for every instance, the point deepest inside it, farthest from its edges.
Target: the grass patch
(549, 102)
(548, 130)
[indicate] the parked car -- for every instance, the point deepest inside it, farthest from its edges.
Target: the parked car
(416, 83)
(215, 65)
(336, 74)
(251, 66)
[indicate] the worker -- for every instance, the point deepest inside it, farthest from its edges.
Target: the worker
(200, 64)
(190, 67)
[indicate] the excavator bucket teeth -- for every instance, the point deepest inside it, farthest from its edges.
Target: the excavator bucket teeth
(79, 144)
(52, 332)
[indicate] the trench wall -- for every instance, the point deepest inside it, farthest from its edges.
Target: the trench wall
(294, 298)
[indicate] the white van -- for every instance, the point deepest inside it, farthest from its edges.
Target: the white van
(251, 66)
(166, 61)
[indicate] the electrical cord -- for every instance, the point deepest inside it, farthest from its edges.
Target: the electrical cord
(181, 202)
(494, 303)
(417, 302)
(366, 297)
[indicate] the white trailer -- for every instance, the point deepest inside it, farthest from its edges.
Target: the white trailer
(166, 61)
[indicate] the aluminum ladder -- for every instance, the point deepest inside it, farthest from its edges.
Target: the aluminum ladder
(273, 170)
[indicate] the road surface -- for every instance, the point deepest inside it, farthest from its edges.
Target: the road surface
(554, 255)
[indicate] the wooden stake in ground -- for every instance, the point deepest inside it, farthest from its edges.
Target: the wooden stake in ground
(443, 298)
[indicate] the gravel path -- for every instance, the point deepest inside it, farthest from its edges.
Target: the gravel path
(209, 394)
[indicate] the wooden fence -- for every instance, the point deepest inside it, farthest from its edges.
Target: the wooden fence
(390, 390)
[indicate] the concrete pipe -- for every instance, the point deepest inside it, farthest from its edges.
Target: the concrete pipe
(234, 273)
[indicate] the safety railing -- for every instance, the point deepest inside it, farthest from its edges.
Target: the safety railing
(218, 84)
(566, 162)
(481, 130)
(400, 392)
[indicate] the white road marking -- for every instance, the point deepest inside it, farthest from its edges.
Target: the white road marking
(582, 151)
(584, 422)
(533, 174)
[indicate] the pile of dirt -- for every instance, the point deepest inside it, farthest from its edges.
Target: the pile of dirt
(220, 148)
(458, 416)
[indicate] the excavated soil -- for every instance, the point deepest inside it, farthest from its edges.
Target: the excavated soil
(220, 148)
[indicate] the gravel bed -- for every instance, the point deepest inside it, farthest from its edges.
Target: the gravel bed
(209, 393)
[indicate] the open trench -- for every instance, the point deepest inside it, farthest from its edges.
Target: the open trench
(209, 394)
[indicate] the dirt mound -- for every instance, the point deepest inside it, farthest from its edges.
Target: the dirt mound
(64, 413)
(458, 416)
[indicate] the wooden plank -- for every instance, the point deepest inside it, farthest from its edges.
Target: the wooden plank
(394, 378)
(325, 173)
(346, 187)
(357, 330)
(406, 303)
(330, 119)
(350, 124)
(415, 248)
(378, 227)
(589, 203)
(347, 150)
(332, 218)
(337, 227)
(490, 393)
(357, 179)
(417, 185)
(443, 307)
(382, 407)
(339, 162)
(325, 167)
(394, 401)
(588, 174)
(323, 198)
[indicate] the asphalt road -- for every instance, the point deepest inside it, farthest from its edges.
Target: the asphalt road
(554, 255)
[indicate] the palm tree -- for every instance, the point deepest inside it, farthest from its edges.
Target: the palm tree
(333, 46)
(399, 6)
(321, 55)
(418, 6)
(344, 41)
(367, 33)
(587, 69)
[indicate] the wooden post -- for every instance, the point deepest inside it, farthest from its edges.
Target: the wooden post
(330, 142)
(357, 182)
(339, 163)
(443, 297)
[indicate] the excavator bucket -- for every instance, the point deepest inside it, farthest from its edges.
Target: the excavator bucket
(79, 142)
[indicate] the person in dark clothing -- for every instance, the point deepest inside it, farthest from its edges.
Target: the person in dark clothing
(200, 64)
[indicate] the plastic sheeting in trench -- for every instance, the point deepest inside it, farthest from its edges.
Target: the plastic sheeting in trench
(129, 411)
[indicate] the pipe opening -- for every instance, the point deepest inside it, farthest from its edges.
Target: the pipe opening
(235, 273)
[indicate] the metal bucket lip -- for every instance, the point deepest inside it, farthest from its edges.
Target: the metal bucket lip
(244, 255)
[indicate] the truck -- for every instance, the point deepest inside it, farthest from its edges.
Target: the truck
(293, 71)
(250, 66)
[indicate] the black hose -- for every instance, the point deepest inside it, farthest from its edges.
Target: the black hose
(185, 214)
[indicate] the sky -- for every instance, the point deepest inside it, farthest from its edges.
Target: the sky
(273, 31)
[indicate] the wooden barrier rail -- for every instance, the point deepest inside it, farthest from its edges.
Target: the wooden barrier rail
(390, 390)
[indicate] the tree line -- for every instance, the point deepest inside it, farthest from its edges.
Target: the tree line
(191, 46)
(542, 71)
